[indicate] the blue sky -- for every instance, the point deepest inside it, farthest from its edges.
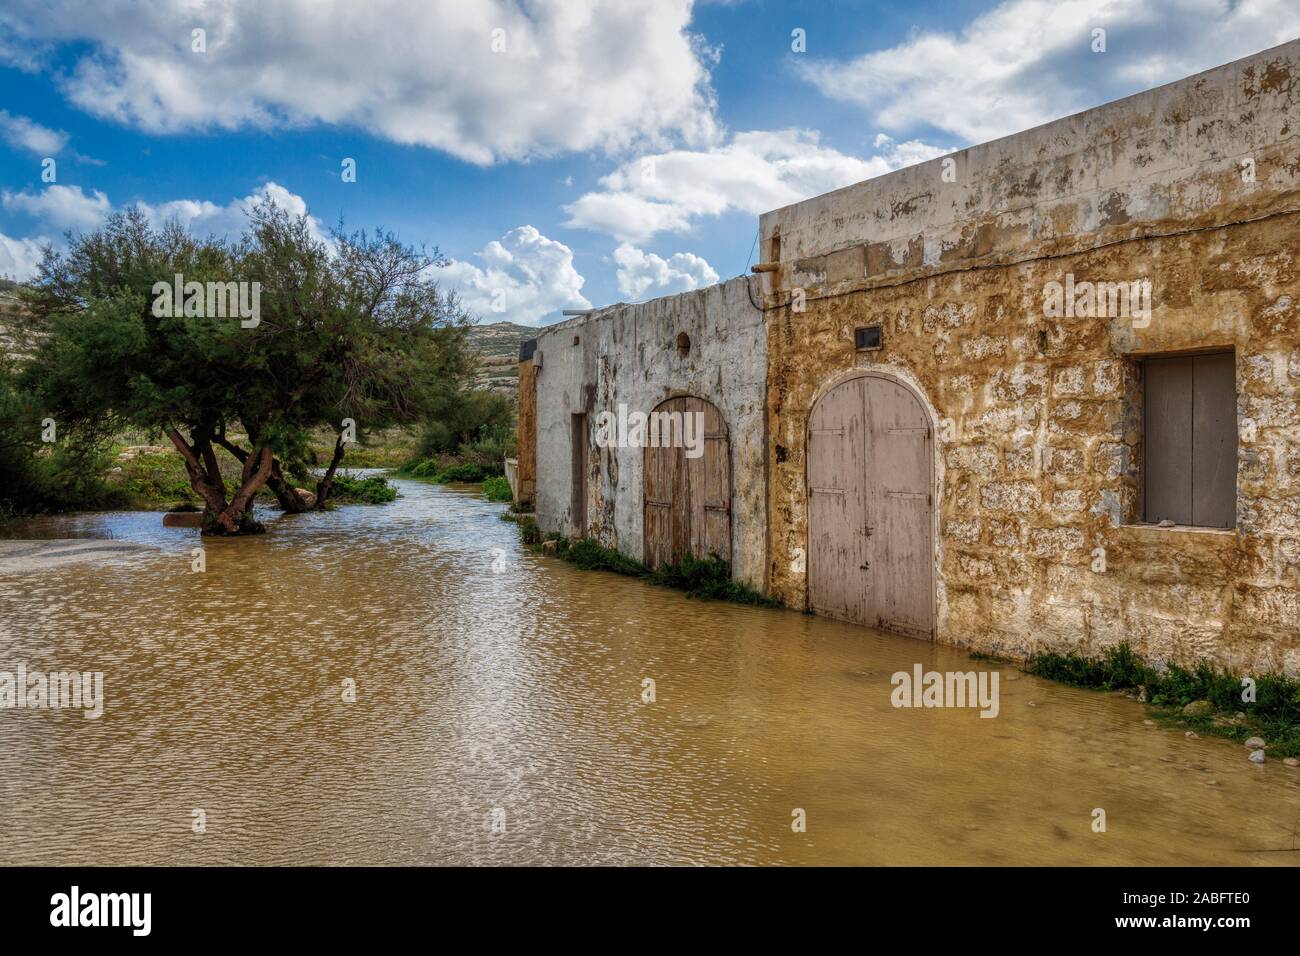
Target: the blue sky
(562, 154)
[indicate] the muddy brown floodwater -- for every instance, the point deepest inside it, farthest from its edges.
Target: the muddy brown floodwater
(489, 678)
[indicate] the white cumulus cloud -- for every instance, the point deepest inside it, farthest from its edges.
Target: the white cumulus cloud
(644, 275)
(1026, 62)
(755, 172)
(488, 80)
(60, 207)
(28, 134)
(203, 218)
(522, 277)
(69, 207)
(19, 257)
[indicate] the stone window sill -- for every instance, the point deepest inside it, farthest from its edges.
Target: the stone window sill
(1181, 529)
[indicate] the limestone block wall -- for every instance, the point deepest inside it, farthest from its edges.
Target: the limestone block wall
(527, 430)
(1194, 187)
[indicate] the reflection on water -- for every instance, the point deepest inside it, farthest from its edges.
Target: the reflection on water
(521, 690)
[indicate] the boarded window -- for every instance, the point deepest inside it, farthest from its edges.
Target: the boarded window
(1190, 440)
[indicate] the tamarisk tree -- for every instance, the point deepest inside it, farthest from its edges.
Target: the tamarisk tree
(351, 327)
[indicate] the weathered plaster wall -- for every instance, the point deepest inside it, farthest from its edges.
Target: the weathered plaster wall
(1038, 432)
(627, 354)
(1167, 159)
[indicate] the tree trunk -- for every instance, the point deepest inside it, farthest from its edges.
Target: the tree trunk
(205, 477)
(220, 517)
(283, 491)
(236, 519)
(289, 500)
(323, 486)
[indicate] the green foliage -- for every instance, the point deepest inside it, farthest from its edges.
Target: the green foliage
(467, 422)
(38, 477)
(1119, 668)
(1274, 714)
(370, 490)
(709, 578)
(151, 479)
(444, 472)
(529, 532)
(425, 468)
(705, 578)
(489, 451)
(590, 555)
(497, 488)
(465, 472)
(357, 328)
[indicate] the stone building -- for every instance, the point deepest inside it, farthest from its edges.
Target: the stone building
(1040, 393)
(695, 352)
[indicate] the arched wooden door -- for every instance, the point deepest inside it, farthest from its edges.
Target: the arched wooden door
(688, 500)
(870, 507)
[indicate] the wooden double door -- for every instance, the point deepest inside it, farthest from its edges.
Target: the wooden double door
(688, 499)
(870, 473)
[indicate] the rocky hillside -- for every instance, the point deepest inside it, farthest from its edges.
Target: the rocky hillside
(498, 347)
(10, 341)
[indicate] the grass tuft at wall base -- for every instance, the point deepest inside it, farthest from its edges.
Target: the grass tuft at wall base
(705, 578)
(1273, 715)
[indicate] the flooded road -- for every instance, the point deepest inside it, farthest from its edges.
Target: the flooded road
(497, 687)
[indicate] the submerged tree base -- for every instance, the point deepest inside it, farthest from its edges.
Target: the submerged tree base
(247, 525)
(705, 578)
(1271, 709)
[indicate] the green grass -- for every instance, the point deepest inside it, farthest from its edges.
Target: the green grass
(158, 478)
(705, 578)
(1273, 715)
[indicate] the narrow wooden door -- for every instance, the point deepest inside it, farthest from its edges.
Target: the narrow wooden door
(578, 503)
(687, 497)
(870, 507)
(837, 471)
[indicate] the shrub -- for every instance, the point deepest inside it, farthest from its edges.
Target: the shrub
(490, 450)
(1118, 669)
(464, 417)
(370, 490)
(592, 556)
(497, 488)
(529, 532)
(465, 472)
(441, 470)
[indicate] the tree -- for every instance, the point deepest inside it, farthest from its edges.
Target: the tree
(345, 328)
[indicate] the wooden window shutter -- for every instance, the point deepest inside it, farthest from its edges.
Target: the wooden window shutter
(1190, 440)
